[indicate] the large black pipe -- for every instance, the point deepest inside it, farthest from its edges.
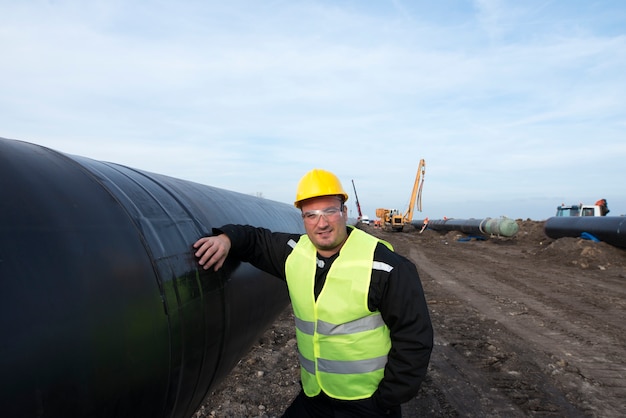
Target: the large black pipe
(610, 229)
(103, 310)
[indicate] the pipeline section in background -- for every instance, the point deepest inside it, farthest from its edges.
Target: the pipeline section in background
(488, 226)
(103, 309)
(610, 229)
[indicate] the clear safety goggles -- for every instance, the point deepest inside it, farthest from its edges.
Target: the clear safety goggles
(330, 214)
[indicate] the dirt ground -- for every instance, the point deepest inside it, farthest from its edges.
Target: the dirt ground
(524, 326)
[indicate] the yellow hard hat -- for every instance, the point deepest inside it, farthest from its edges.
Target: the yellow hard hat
(317, 183)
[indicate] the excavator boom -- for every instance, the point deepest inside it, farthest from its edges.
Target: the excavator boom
(416, 194)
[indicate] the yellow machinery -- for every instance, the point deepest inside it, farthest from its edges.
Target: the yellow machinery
(394, 220)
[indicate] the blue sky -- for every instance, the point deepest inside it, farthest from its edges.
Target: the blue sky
(516, 106)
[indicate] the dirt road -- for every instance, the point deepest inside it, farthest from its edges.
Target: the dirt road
(524, 326)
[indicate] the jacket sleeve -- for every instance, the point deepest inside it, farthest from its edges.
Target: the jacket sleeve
(403, 307)
(264, 249)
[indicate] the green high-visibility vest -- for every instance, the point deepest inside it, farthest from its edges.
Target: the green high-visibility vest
(342, 345)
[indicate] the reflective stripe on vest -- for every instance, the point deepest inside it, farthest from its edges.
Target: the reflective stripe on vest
(325, 328)
(344, 367)
(342, 345)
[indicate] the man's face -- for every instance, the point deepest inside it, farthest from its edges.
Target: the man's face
(326, 232)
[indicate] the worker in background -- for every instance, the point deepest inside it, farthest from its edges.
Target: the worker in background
(362, 325)
(424, 225)
(604, 207)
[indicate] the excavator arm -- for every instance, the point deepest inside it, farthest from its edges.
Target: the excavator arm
(416, 194)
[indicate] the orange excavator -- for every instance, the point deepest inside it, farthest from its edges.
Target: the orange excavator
(392, 219)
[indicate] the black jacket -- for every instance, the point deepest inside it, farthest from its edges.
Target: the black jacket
(397, 294)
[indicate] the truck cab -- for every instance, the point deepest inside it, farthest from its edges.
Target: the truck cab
(579, 210)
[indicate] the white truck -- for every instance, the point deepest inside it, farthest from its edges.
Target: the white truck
(600, 208)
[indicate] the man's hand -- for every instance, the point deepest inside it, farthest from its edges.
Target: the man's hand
(212, 251)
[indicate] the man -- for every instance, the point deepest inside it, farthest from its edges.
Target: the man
(362, 325)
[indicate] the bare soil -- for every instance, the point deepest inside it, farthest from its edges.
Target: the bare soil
(524, 326)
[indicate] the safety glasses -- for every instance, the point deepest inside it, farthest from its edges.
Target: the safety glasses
(312, 217)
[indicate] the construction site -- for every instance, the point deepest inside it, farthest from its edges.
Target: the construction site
(115, 318)
(529, 318)
(524, 326)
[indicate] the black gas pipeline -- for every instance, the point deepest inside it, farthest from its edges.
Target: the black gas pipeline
(610, 229)
(103, 310)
